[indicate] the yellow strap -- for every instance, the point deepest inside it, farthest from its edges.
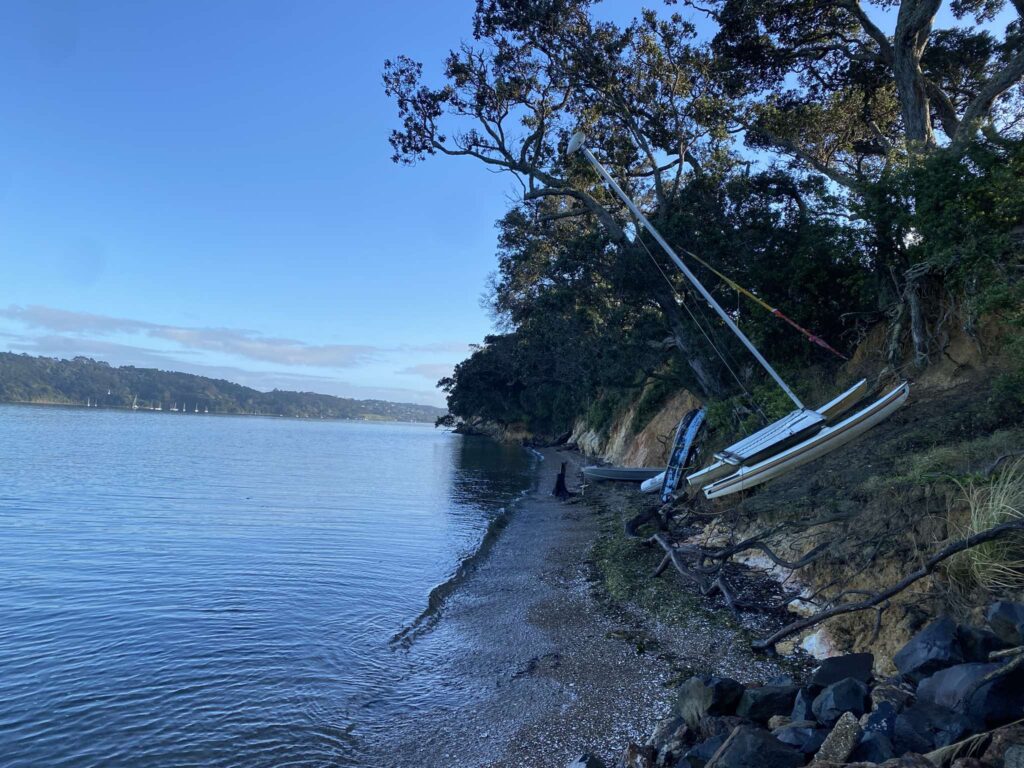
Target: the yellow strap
(732, 283)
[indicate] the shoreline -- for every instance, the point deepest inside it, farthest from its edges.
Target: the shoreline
(544, 663)
(129, 409)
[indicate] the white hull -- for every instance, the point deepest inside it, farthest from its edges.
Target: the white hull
(825, 441)
(653, 485)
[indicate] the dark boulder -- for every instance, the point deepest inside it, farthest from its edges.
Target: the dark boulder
(936, 647)
(873, 747)
(699, 754)
(898, 695)
(977, 642)
(759, 704)
(700, 696)
(718, 725)
(587, 760)
(1007, 621)
(1005, 746)
(924, 727)
(882, 719)
(855, 665)
(847, 695)
(960, 689)
(749, 747)
(805, 736)
(802, 706)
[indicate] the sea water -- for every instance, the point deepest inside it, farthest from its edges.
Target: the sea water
(187, 589)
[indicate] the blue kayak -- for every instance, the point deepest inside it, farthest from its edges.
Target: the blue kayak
(682, 451)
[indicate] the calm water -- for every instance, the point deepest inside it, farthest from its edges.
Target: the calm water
(199, 590)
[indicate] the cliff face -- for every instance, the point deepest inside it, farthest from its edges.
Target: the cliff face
(625, 445)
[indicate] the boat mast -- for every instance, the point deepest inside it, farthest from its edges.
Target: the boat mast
(577, 143)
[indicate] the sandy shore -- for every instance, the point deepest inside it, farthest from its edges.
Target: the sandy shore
(547, 666)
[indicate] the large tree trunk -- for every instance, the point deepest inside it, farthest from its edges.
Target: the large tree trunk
(913, 27)
(683, 332)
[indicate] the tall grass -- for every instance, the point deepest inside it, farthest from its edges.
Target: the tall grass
(996, 564)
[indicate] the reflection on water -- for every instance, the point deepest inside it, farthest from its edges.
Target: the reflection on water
(221, 591)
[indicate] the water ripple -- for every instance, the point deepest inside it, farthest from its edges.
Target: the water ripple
(221, 591)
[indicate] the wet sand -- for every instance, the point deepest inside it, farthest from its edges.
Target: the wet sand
(547, 667)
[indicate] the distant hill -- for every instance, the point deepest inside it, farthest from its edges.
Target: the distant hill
(28, 379)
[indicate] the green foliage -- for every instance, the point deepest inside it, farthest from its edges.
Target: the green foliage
(27, 379)
(835, 227)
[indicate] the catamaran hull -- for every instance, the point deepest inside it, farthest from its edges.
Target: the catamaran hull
(824, 441)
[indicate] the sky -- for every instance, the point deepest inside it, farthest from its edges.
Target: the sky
(207, 187)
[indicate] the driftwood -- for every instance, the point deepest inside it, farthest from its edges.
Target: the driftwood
(878, 598)
(705, 586)
(561, 490)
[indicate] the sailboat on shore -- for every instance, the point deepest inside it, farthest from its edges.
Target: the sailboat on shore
(799, 437)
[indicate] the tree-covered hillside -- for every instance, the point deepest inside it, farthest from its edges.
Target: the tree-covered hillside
(855, 164)
(27, 379)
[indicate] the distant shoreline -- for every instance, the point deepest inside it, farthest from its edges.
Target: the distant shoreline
(128, 409)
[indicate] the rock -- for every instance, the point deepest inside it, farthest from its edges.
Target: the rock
(960, 689)
(664, 729)
(840, 743)
(1007, 621)
(723, 725)
(881, 720)
(1014, 757)
(701, 696)
(671, 739)
(977, 642)
(873, 747)
(807, 737)
(1005, 741)
(782, 680)
(587, 760)
(896, 696)
(636, 756)
(749, 747)
(698, 756)
(924, 727)
(936, 647)
(967, 762)
(847, 695)
(778, 721)
(855, 665)
(759, 704)
(802, 706)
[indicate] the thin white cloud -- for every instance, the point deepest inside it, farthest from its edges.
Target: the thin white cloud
(240, 343)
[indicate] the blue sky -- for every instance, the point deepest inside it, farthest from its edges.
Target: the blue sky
(207, 186)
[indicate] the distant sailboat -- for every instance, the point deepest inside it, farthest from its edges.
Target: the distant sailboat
(174, 408)
(135, 403)
(197, 408)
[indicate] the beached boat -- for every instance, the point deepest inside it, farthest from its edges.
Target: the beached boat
(683, 449)
(797, 438)
(627, 474)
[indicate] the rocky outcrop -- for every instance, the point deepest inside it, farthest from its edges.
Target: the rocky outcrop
(628, 444)
(843, 716)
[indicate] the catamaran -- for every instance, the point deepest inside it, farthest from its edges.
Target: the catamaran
(799, 437)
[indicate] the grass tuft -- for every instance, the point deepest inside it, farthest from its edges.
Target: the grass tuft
(995, 565)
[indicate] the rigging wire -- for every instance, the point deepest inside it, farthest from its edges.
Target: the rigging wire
(700, 327)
